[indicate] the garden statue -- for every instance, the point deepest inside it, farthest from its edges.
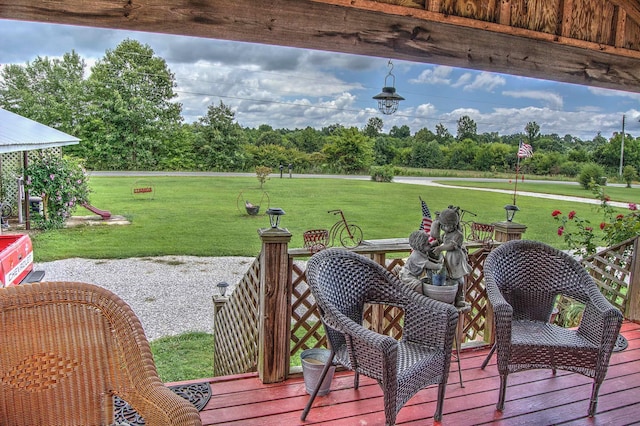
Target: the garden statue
(456, 260)
(421, 264)
(438, 258)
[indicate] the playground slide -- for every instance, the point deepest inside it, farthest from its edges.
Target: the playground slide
(105, 214)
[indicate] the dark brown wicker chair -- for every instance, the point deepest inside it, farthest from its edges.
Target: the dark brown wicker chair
(67, 349)
(341, 283)
(523, 279)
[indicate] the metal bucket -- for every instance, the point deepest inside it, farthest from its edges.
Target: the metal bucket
(313, 361)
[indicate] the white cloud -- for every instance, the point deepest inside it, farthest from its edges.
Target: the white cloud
(552, 100)
(435, 75)
(485, 81)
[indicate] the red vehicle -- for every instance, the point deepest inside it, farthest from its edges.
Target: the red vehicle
(16, 260)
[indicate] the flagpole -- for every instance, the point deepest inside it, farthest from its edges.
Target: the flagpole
(515, 187)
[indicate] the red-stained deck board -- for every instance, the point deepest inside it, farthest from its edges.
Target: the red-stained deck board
(535, 397)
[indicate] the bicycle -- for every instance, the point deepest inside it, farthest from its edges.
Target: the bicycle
(349, 235)
(475, 231)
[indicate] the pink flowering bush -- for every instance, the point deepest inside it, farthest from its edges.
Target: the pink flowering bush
(615, 228)
(62, 183)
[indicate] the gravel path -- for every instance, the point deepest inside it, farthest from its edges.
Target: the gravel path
(170, 294)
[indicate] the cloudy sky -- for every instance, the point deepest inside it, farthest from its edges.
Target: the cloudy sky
(295, 88)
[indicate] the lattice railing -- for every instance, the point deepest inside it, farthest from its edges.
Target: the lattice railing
(236, 327)
(236, 324)
(307, 331)
(612, 270)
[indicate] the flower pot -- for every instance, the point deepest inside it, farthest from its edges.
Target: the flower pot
(443, 293)
(313, 361)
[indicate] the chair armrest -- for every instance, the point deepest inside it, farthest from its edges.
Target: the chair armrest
(601, 321)
(502, 312)
(159, 406)
(429, 322)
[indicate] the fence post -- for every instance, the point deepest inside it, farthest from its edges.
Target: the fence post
(275, 306)
(632, 309)
(507, 231)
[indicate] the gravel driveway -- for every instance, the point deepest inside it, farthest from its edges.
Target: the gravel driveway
(170, 294)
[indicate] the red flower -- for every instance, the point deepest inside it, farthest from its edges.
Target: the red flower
(560, 231)
(620, 217)
(602, 225)
(556, 213)
(572, 214)
(607, 198)
(588, 228)
(633, 206)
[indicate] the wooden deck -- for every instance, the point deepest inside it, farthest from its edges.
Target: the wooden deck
(533, 397)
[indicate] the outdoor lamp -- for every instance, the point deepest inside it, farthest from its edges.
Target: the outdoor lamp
(511, 211)
(388, 99)
(274, 216)
(222, 287)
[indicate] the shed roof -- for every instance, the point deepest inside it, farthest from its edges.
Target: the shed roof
(18, 133)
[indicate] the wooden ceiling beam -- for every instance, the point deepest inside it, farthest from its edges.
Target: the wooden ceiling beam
(359, 27)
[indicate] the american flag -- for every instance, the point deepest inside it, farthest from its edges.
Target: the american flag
(425, 225)
(525, 150)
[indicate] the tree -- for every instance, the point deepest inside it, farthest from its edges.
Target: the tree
(467, 128)
(219, 139)
(373, 127)
(400, 132)
(532, 129)
(132, 113)
(443, 135)
(629, 174)
(49, 91)
(349, 151)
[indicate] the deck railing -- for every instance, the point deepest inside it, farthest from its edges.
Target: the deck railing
(271, 316)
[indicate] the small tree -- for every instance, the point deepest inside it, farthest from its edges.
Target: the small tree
(629, 174)
(62, 183)
(263, 174)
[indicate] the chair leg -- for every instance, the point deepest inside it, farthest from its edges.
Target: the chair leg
(503, 391)
(455, 338)
(594, 399)
(325, 370)
(486, 360)
(356, 380)
(437, 416)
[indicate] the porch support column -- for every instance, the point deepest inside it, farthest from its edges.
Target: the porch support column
(275, 306)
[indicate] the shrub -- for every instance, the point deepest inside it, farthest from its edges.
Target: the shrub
(591, 174)
(382, 173)
(62, 183)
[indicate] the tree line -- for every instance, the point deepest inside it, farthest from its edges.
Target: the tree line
(127, 118)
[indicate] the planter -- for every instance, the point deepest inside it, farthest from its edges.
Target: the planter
(313, 361)
(443, 293)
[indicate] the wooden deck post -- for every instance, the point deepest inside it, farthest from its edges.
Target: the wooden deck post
(632, 309)
(507, 231)
(275, 306)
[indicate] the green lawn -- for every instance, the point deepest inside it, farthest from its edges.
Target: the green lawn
(200, 216)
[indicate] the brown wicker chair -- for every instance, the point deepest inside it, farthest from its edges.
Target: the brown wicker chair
(523, 279)
(67, 348)
(341, 283)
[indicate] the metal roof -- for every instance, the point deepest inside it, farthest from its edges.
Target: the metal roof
(18, 133)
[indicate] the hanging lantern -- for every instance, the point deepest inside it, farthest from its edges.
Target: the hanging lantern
(388, 99)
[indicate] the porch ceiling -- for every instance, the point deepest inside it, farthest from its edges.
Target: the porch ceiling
(588, 42)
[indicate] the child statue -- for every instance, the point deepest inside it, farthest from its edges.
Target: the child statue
(421, 263)
(456, 260)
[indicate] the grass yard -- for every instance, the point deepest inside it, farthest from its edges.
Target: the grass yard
(199, 216)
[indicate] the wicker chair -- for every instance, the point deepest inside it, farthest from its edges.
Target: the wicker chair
(67, 349)
(523, 279)
(341, 283)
